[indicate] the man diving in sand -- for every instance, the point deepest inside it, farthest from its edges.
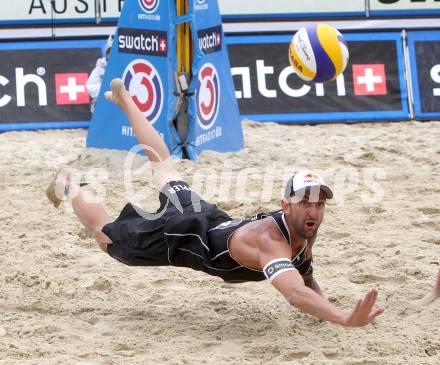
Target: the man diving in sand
(190, 232)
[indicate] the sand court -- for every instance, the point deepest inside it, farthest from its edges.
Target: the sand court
(63, 301)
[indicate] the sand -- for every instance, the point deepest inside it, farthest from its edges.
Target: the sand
(62, 301)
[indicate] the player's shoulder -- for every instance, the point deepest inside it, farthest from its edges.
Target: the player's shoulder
(269, 236)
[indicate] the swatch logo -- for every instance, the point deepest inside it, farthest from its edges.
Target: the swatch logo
(210, 39)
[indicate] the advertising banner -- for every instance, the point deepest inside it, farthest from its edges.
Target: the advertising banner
(424, 48)
(404, 7)
(48, 12)
(84, 11)
(262, 9)
(215, 122)
(42, 84)
(372, 87)
(144, 57)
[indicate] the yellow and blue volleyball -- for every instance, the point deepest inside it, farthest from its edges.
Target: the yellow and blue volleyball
(318, 53)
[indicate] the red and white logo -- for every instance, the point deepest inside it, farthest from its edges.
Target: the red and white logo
(207, 95)
(71, 88)
(369, 80)
(149, 6)
(144, 84)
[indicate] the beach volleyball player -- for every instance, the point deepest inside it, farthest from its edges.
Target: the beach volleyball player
(190, 232)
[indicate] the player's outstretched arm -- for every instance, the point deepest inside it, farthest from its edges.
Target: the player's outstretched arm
(291, 285)
(277, 267)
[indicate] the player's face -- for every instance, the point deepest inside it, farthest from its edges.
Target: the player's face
(306, 215)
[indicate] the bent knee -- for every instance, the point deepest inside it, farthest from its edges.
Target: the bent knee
(103, 246)
(164, 172)
(102, 239)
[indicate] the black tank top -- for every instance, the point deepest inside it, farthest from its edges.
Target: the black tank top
(222, 264)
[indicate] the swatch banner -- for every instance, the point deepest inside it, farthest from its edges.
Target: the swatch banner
(42, 84)
(404, 7)
(371, 88)
(424, 48)
(215, 121)
(144, 57)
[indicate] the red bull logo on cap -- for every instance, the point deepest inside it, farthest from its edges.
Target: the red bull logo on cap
(311, 177)
(149, 6)
(144, 84)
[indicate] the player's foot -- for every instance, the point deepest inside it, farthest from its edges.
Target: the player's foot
(119, 94)
(59, 188)
(429, 298)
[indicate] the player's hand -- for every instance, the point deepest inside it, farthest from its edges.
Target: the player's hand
(364, 311)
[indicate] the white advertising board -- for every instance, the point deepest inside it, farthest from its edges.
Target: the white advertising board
(290, 8)
(59, 11)
(404, 7)
(86, 11)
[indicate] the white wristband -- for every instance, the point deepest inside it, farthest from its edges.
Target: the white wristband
(276, 267)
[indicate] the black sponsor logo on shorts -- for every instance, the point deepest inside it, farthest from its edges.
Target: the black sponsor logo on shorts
(143, 41)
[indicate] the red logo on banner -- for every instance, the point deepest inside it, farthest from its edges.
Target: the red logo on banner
(369, 79)
(163, 45)
(71, 89)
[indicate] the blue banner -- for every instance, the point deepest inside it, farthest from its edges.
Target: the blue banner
(144, 56)
(424, 49)
(215, 121)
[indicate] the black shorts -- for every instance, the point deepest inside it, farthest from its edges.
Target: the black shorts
(138, 236)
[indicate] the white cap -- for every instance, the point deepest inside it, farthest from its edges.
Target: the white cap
(303, 181)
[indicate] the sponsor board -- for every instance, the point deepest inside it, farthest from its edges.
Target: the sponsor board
(371, 88)
(210, 39)
(424, 48)
(251, 9)
(42, 84)
(85, 11)
(142, 42)
(215, 122)
(404, 7)
(57, 11)
(143, 56)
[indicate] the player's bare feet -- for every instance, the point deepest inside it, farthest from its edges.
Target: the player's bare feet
(434, 294)
(59, 188)
(429, 298)
(119, 94)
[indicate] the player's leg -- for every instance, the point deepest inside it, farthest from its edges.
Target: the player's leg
(89, 211)
(154, 146)
(434, 294)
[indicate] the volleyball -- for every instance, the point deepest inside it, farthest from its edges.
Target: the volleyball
(318, 53)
